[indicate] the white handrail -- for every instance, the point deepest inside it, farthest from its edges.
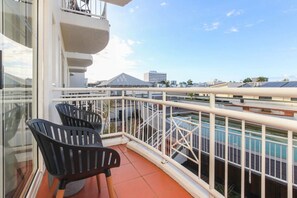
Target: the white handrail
(276, 92)
(265, 121)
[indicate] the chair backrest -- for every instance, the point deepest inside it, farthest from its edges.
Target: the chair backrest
(73, 116)
(12, 120)
(64, 151)
(70, 116)
(66, 109)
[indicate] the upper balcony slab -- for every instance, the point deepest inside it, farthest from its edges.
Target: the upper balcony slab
(78, 59)
(118, 2)
(84, 33)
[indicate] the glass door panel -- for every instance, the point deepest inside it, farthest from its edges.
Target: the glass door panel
(18, 46)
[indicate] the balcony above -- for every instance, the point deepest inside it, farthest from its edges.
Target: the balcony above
(77, 69)
(84, 29)
(79, 60)
(118, 2)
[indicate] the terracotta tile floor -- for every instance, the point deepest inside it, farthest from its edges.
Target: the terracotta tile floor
(135, 178)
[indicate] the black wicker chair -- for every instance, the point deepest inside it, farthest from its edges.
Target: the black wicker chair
(73, 153)
(73, 116)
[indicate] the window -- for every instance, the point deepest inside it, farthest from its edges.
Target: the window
(18, 43)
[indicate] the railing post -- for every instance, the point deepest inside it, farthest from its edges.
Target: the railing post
(164, 128)
(226, 155)
(263, 161)
(212, 102)
(289, 164)
(242, 157)
(123, 114)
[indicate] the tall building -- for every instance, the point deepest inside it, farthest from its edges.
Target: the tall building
(155, 77)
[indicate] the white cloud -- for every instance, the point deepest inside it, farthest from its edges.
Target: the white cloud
(211, 27)
(234, 13)
(132, 10)
(113, 60)
(233, 30)
(163, 4)
(253, 24)
(18, 58)
(132, 42)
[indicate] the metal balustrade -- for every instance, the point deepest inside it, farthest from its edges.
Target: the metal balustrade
(249, 141)
(94, 8)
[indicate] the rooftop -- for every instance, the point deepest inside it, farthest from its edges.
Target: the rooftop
(124, 80)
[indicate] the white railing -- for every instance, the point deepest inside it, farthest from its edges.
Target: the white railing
(259, 144)
(94, 8)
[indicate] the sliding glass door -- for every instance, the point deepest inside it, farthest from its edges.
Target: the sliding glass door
(18, 45)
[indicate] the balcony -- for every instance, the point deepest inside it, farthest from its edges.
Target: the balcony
(136, 177)
(78, 62)
(84, 27)
(208, 149)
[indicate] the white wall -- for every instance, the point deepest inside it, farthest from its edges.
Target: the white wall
(78, 80)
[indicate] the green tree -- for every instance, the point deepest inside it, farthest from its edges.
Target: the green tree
(247, 80)
(262, 79)
(190, 82)
(167, 83)
(182, 83)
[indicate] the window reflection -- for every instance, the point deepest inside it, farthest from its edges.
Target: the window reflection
(18, 45)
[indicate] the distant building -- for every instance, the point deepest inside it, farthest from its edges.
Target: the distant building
(155, 77)
(78, 80)
(124, 80)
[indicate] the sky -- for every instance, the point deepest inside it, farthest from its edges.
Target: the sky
(201, 40)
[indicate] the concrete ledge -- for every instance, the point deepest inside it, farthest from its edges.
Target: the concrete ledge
(114, 141)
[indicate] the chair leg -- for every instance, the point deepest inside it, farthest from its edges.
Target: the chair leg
(53, 188)
(98, 183)
(60, 193)
(110, 187)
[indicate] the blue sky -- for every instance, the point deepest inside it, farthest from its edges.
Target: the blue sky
(201, 40)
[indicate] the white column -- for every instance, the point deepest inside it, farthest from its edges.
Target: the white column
(263, 161)
(164, 128)
(242, 158)
(290, 164)
(226, 154)
(212, 100)
(123, 109)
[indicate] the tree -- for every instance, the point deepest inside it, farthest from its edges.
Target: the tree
(182, 84)
(247, 80)
(190, 82)
(262, 79)
(165, 82)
